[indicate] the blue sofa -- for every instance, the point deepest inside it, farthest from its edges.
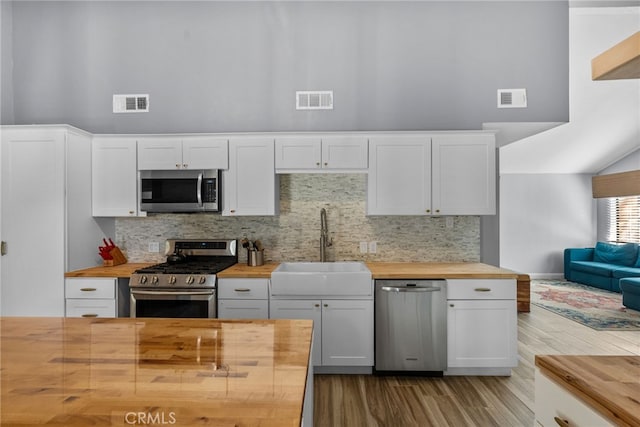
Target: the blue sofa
(603, 265)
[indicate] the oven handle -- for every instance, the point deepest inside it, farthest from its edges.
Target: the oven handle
(172, 293)
(199, 191)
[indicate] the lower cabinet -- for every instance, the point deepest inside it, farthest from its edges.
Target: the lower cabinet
(482, 323)
(243, 298)
(91, 297)
(342, 329)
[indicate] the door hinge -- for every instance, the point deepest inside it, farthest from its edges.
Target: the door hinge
(3, 248)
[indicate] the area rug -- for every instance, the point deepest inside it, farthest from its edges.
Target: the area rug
(596, 308)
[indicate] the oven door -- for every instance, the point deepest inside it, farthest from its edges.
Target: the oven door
(192, 303)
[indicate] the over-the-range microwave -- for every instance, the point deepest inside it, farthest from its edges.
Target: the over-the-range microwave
(180, 190)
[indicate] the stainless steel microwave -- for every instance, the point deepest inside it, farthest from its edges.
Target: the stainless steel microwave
(180, 191)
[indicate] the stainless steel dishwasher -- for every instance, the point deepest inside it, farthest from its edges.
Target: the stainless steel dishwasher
(411, 326)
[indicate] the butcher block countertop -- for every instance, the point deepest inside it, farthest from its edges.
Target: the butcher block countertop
(120, 271)
(608, 384)
(242, 270)
(184, 372)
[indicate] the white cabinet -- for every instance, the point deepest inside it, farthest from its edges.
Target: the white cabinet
(331, 153)
(342, 329)
(46, 203)
(432, 174)
(250, 184)
(170, 153)
(91, 297)
(114, 177)
(243, 298)
(481, 323)
(555, 402)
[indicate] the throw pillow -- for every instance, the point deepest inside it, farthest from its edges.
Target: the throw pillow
(615, 253)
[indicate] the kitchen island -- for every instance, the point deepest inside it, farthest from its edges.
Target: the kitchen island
(110, 372)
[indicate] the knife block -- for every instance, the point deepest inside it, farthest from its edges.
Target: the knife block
(118, 258)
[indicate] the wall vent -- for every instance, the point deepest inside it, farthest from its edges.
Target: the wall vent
(512, 98)
(314, 100)
(131, 103)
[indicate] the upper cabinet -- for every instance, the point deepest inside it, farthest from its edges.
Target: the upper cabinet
(170, 153)
(439, 174)
(334, 153)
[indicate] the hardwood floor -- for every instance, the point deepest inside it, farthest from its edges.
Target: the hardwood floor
(367, 400)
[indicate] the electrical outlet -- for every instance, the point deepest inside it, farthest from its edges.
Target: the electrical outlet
(363, 247)
(373, 247)
(154, 247)
(448, 222)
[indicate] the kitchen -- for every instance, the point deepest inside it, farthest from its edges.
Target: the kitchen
(461, 242)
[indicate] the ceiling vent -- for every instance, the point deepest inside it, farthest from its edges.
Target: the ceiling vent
(131, 103)
(314, 100)
(512, 98)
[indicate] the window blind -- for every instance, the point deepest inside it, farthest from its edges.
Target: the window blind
(624, 219)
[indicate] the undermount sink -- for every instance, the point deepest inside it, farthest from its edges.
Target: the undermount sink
(346, 278)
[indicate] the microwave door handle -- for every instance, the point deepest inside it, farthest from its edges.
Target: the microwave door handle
(199, 190)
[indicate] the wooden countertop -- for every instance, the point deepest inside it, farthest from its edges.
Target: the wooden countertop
(379, 270)
(609, 384)
(186, 372)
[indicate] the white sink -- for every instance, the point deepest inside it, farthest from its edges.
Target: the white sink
(348, 278)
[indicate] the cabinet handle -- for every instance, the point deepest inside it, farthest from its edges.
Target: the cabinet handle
(177, 165)
(316, 305)
(317, 163)
(88, 289)
(561, 422)
(326, 305)
(131, 212)
(437, 210)
(242, 290)
(452, 305)
(482, 289)
(185, 165)
(90, 315)
(428, 210)
(232, 211)
(326, 164)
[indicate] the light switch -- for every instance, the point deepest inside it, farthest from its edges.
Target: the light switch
(373, 247)
(363, 247)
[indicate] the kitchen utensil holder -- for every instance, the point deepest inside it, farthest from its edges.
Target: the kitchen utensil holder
(118, 258)
(255, 258)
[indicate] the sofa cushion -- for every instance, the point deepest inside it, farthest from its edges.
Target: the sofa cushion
(591, 267)
(621, 272)
(620, 254)
(637, 264)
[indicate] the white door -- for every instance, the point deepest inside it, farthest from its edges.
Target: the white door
(345, 152)
(297, 152)
(464, 174)
(205, 153)
(159, 154)
(114, 177)
(33, 222)
(347, 332)
(399, 180)
(302, 309)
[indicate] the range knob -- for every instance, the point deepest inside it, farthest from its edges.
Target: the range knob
(202, 280)
(154, 280)
(143, 280)
(172, 280)
(190, 280)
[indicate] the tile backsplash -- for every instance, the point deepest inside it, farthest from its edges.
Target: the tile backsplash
(294, 235)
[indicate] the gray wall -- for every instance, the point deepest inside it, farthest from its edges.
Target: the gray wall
(6, 67)
(234, 66)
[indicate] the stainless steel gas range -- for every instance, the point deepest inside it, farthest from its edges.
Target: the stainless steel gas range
(185, 285)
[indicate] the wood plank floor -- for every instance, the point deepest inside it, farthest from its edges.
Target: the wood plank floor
(367, 400)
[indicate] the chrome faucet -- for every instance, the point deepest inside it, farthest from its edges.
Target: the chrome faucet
(324, 235)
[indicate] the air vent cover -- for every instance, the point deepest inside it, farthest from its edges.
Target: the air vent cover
(131, 103)
(512, 98)
(314, 100)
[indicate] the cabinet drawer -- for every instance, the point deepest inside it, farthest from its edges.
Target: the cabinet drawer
(243, 309)
(90, 288)
(90, 308)
(243, 288)
(481, 289)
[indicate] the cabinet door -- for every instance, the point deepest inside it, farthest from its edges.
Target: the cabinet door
(345, 152)
(33, 214)
(250, 183)
(243, 309)
(297, 152)
(464, 174)
(399, 181)
(302, 309)
(159, 154)
(205, 153)
(347, 333)
(114, 177)
(482, 334)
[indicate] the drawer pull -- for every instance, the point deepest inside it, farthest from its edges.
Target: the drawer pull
(90, 315)
(88, 289)
(561, 422)
(242, 290)
(482, 289)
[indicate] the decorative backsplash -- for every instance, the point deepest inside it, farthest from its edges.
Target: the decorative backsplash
(294, 235)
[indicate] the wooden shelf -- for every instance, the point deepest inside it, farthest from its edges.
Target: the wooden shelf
(622, 61)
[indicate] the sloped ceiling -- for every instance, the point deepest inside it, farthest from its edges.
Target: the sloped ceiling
(604, 117)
